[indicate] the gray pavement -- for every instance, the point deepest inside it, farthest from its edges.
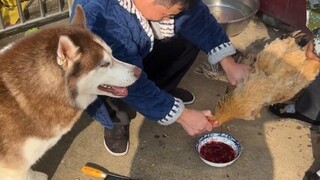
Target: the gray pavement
(279, 149)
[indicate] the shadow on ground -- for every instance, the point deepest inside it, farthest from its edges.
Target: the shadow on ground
(51, 160)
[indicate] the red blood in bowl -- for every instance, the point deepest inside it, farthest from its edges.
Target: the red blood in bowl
(217, 152)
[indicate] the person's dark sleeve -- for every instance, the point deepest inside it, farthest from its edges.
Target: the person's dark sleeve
(201, 28)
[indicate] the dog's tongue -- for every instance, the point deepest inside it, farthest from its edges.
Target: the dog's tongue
(120, 91)
(115, 90)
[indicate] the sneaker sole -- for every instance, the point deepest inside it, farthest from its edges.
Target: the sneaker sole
(190, 102)
(116, 154)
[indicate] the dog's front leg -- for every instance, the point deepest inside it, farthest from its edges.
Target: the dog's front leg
(13, 174)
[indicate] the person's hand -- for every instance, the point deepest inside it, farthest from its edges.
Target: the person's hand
(234, 72)
(310, 52)
(194, 122)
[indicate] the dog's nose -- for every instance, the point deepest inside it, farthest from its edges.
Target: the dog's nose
(137, 72)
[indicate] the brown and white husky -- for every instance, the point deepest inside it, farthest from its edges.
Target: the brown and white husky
(47, 79)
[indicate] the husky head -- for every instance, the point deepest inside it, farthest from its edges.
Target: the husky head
(89, 66)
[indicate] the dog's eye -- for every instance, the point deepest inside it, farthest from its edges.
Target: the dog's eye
(105, 64)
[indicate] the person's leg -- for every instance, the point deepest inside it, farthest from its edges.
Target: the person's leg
(116, 139)
(306, 108)
(313, 172)
(308, 104)
(166, 65)
(169, 61)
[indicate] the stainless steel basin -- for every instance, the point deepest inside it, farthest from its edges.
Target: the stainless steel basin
(233, 15)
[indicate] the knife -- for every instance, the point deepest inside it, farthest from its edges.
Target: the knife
(95, 172)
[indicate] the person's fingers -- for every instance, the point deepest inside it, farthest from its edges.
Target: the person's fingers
(189, 131)
(233, 82)
(310, 52)
(215, 124)
(310, 46)
(209, 127)
(207, 112)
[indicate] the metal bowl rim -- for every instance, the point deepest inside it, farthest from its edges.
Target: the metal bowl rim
(244, 18)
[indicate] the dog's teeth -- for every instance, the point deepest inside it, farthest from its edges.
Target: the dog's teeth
(106, 86)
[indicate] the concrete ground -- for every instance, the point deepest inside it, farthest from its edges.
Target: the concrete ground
(279, 149)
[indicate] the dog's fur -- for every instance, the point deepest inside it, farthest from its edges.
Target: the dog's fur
(281, 71)
(47, 79)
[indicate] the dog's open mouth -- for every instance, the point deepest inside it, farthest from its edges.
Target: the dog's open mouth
(115, 90)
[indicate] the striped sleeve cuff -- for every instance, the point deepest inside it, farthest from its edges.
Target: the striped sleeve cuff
(173, 115)
(220, 52)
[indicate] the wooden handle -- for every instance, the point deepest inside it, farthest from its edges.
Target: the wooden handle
(91, 171)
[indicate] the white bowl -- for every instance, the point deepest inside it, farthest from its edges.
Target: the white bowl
(219, 137)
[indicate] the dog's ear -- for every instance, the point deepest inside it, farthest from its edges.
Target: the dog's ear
(79, 18)
(67, 53)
